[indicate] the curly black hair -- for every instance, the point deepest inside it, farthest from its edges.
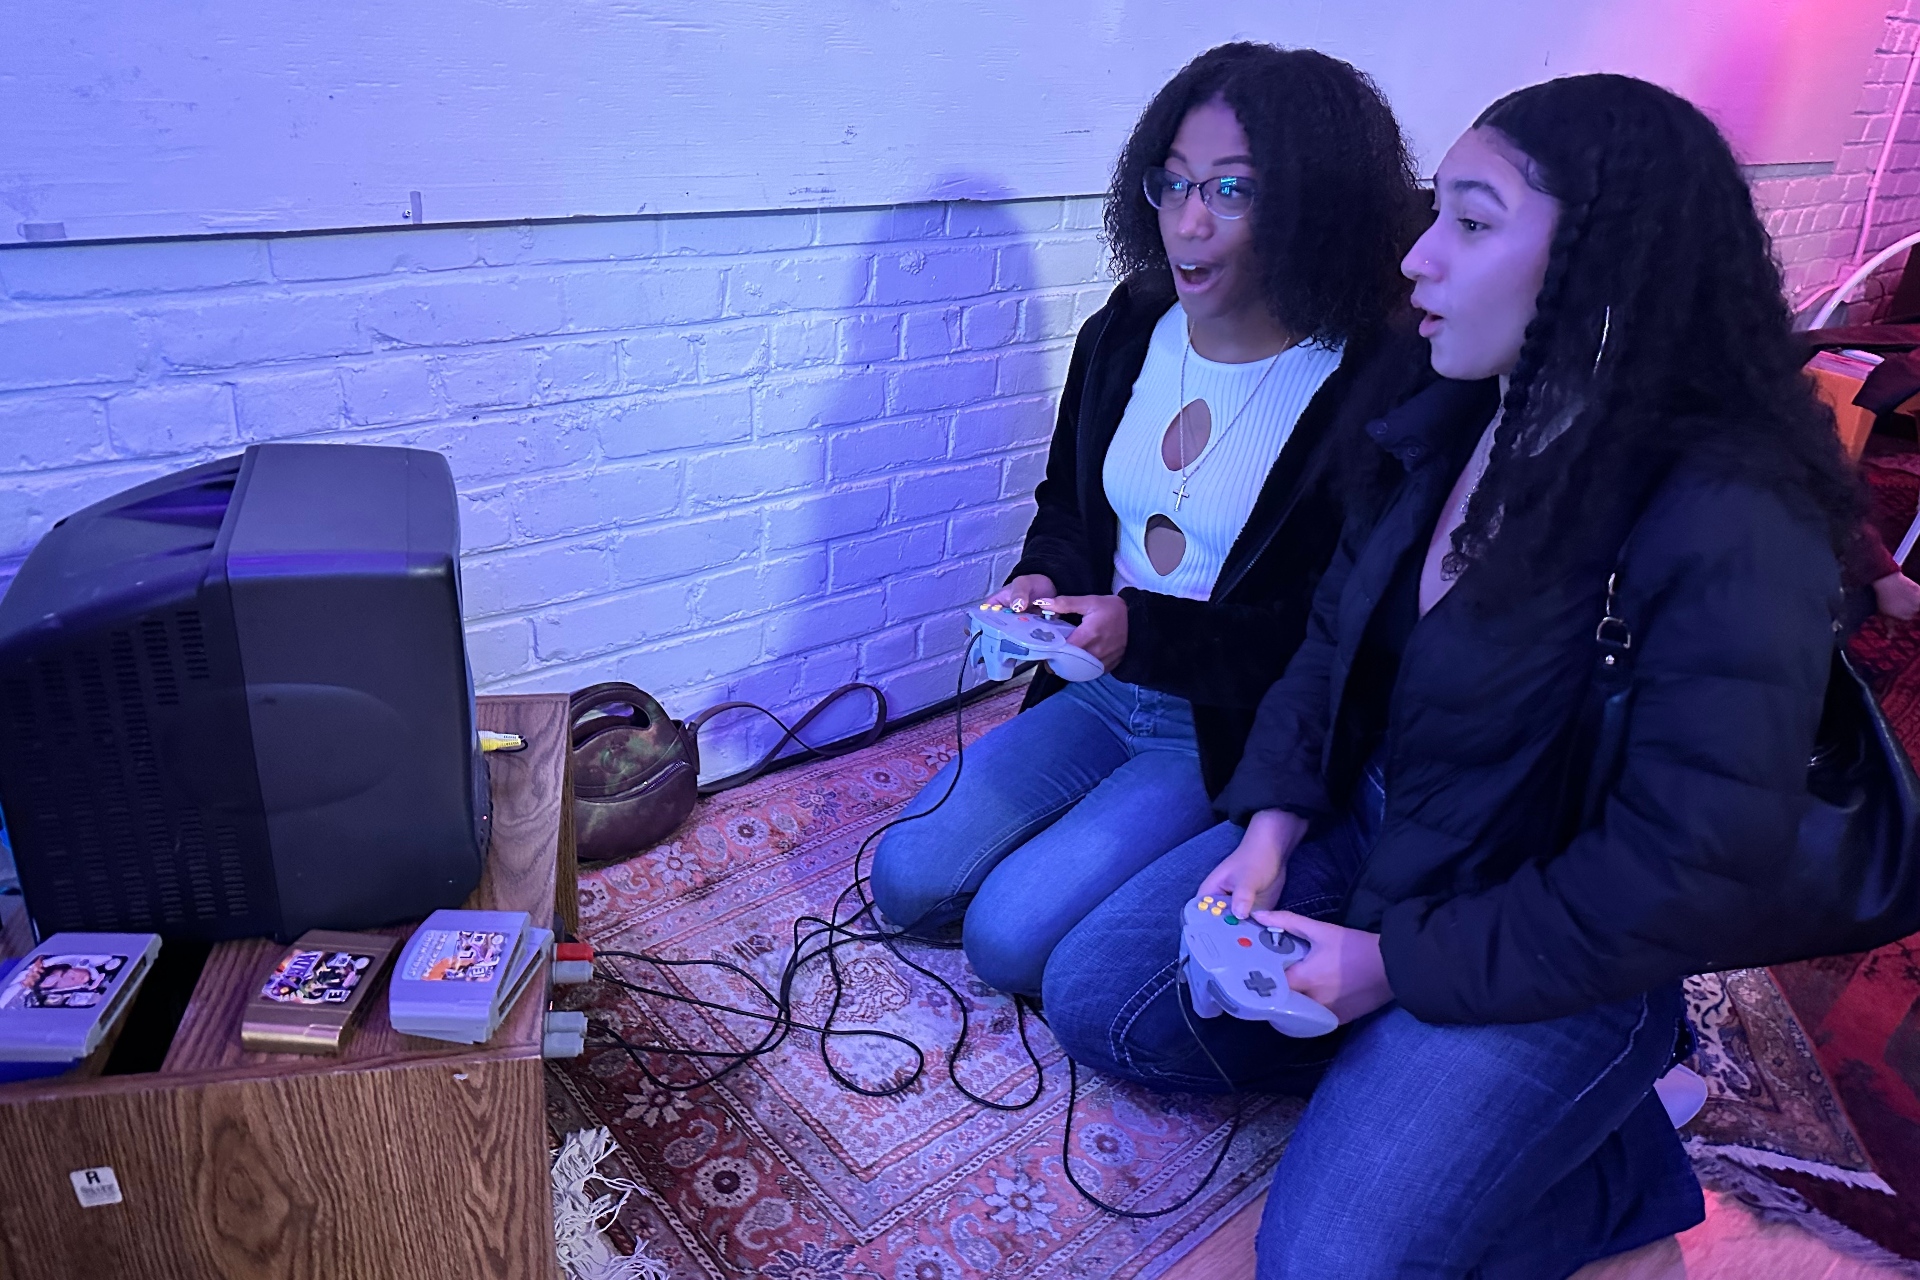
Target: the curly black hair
(1337, 205)
(1658, 251)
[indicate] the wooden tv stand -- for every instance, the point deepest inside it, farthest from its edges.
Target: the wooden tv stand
(401, 1158)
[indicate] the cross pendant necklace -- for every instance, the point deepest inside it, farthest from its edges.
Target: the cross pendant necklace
(1180, 494)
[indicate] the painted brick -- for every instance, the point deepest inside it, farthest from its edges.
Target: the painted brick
(576, 371)
(485, 449)
(754, 472)
(610, 622)
(1032, 370)
(924, 683)
(930, 334)
(866, 561)
(171, 418)
(486, 379)
(866, 338)
(486, 519)
(52, 348)
(831, 515)
(937, 275)
(390, 391)
(587, 240)
(946, 385)
(829, 398)
(823, 278)
(993, 528)
(683, 548)
(231, 332)
(498, 650)
(43, 432)
(636, 427)
(803, 341)
(1003, 424)
(1022, 474)
(31, 502)
(272, 406)
(732, 351)
(732, 233)
(952, 586)
(991, 324)
(347, 257)
(874, 226)
(731, 594)
(938, 492)
(436, 311)
(811, 626)
(520, 579)
(867, 451)
(659, 359)
(571, 503)
(634, 298)
(92, 270)
(1003, 217)
(679, 663)
(1044, 262)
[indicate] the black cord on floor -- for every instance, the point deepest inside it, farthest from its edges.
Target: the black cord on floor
(815, 937)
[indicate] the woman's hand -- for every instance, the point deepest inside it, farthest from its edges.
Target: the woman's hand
(1897, 596)
(1103, 624)
(1343, 973)
(1020, 593)
(1252, 876)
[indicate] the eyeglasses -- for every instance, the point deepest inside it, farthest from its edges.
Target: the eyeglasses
(1225, 197)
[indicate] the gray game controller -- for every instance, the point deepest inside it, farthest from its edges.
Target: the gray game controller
(1008, 639)
(1238, 967)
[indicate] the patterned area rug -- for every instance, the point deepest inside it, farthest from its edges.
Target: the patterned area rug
(776, 1170)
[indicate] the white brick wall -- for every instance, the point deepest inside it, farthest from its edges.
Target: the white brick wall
(1815, 220)
(744, 456)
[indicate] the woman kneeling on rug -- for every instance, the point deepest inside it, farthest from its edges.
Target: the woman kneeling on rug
(1189, 503)
(1510, 981)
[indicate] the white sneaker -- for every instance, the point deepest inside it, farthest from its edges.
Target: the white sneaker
(1683, 1091)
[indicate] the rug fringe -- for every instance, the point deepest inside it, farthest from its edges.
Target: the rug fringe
(1755, 1158)
(1771, 1202)
(579, 1221)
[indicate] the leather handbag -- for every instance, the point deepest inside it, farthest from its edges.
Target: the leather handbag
(1854, 883)
(636, 769)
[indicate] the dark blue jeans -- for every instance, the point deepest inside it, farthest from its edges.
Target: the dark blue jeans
(1055, 809)
(1517, 1150)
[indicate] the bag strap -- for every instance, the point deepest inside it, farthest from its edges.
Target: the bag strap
(591, 712)
(791, 733)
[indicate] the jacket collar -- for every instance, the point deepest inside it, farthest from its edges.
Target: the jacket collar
(1427, 425)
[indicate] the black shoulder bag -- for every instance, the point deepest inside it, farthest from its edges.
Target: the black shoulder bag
(1854, 883)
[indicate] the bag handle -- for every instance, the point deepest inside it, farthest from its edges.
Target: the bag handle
(791, 733)
(592, 712)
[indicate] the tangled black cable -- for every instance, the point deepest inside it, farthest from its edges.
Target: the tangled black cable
(814, 937)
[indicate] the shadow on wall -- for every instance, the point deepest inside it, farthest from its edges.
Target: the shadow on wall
(915, 521)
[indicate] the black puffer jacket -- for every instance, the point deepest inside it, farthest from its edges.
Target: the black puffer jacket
(1485, 914)
(1220, 654)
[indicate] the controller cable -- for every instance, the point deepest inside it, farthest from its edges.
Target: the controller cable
(814, 937)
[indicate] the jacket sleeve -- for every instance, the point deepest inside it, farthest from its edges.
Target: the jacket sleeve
(1283, 764)
(1730, 599)
(1056, 540)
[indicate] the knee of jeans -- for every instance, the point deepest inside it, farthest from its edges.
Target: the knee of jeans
(1298, 1239)
(899, 885)
(1004, 954)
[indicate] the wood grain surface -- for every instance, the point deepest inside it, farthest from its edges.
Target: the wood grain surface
(401, 1157)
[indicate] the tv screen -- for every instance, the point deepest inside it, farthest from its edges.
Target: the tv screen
(235, 701)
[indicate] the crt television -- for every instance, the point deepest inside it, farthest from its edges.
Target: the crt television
(235, 701)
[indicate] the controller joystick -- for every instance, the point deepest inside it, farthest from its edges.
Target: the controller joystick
(1008, 639)
(1237, 967)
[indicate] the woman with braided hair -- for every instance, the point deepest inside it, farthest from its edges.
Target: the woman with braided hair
(1624, 433)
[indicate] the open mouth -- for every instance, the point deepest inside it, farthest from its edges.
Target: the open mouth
(1430, 324)
(1194, 274)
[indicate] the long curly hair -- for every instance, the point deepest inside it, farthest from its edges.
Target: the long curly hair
(1337, 203)
(1660, 334)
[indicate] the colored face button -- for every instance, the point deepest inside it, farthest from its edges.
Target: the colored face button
(1231, 919)
(1245, 942)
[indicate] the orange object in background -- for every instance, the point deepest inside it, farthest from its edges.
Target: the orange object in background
(1837, 379)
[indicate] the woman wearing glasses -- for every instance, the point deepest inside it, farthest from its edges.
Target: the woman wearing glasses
(1191, 500)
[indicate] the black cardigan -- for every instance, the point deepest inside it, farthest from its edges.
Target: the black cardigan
(1487, 910)
(1220, 654)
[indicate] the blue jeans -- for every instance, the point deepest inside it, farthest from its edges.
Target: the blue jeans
(1522, 1150)
(1054, 810)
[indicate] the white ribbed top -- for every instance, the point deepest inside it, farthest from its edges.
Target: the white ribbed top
(1225, 479)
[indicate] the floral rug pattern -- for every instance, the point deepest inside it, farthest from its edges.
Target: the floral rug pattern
(776, 1170)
